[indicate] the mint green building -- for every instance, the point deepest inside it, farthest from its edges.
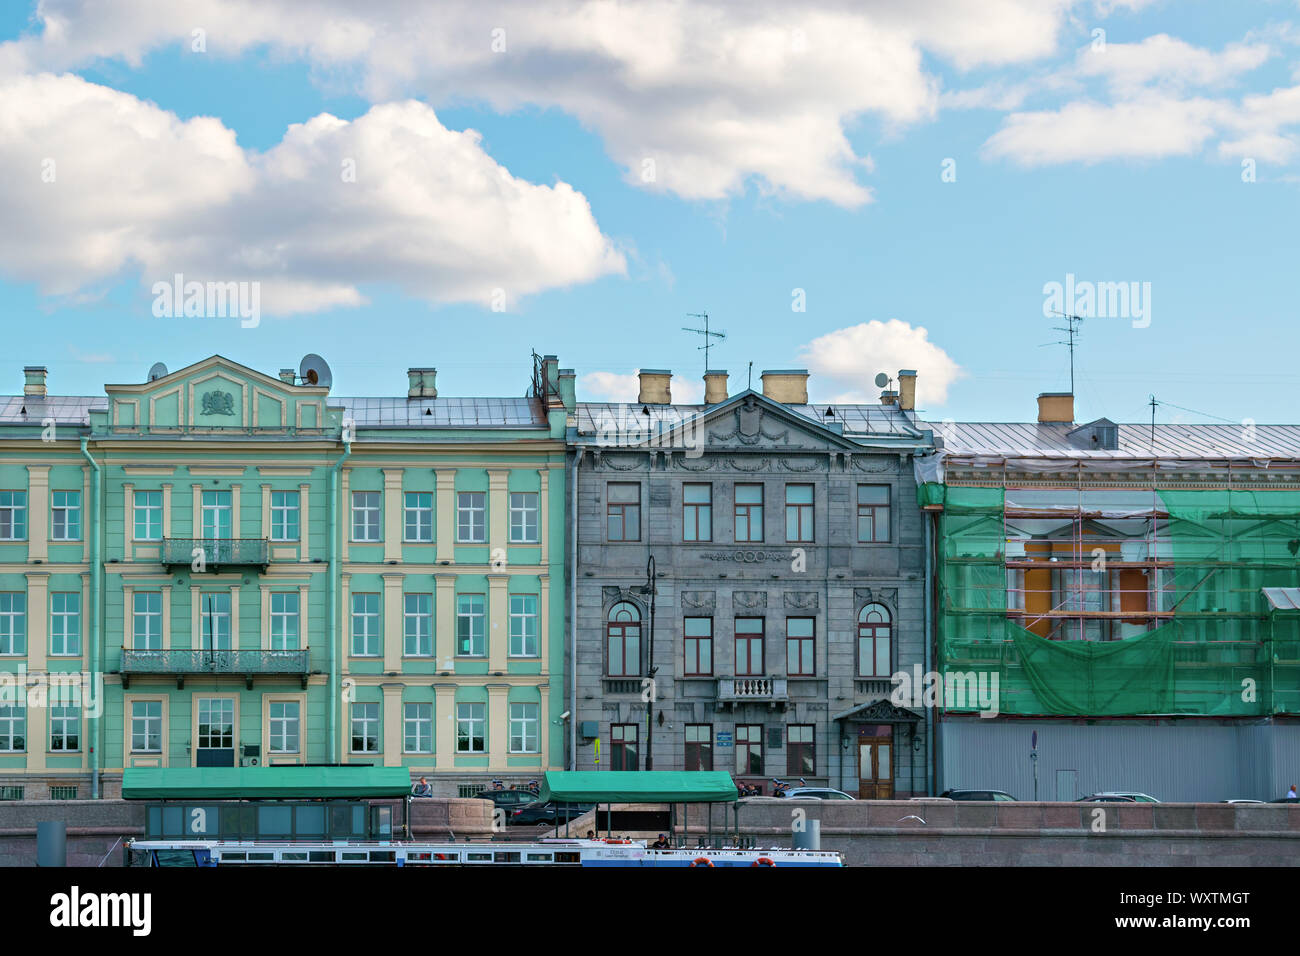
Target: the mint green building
(232, 568)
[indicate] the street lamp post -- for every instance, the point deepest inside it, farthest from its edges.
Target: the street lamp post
(650, 590)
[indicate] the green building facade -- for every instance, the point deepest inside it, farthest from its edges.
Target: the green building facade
(241, 569)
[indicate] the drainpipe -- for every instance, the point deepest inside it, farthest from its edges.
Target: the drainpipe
(929, 648)
(573, 613)
(96, 582)
(332, 633)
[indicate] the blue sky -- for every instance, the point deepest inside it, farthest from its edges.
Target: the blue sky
(1115, 163)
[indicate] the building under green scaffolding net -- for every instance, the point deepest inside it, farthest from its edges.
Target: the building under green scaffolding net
(1121, 602)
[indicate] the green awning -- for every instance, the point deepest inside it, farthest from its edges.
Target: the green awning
(638, 786)
(263, 783)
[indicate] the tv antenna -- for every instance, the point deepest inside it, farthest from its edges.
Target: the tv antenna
(706, 333)
(1071, 329)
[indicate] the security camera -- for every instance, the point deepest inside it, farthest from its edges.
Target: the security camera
(564, 716)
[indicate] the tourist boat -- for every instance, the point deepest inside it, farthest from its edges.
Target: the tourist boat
(554, 852)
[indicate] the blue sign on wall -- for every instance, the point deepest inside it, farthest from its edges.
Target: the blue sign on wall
(724, 738)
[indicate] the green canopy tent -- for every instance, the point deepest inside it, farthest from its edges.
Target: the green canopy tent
(263, 783)
(639, 786)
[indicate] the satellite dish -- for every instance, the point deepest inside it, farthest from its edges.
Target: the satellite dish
(881, 380)
(314, 370)
(159, 370)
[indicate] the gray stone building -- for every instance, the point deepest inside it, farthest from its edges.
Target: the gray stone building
(788, 587)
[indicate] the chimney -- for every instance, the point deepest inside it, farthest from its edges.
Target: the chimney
(715, 386)
(421, 383)
(655, 386)
(888, 398)
(34, 380)
(288, 376)
(907, 389)
(789, 386)
(1056, 408)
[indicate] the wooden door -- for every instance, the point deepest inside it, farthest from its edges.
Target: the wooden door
(875, 768)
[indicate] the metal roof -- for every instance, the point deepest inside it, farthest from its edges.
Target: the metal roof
(443, 412)
(857, 420)
(1283, 599)
(64, 409)
(1034, 440)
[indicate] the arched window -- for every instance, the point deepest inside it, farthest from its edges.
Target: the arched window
(873, 641)
(623, 640)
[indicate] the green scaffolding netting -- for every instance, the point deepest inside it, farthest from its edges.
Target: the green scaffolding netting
(1196, 560)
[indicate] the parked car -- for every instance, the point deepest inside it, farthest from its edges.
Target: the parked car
(507, 799)
(814, 793)
(548, 813)
(997, 796)
(1241, 801)
(1119, 796)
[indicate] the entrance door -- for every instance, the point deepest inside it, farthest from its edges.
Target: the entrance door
(216, 733)
(875, 768)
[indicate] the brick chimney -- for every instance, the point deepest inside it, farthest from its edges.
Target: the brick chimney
(1056, 408)
(715, 386)
(656, 386)
(34, 380)
(422, 383)
(889, 398)
(907, 389)
(789, 386)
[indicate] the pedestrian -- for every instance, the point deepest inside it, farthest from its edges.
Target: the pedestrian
(1291, 794)
(422, 789)
(660, 844)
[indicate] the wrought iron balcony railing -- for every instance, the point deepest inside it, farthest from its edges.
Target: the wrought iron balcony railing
(190, 663)
(217, 552)
(758, 689)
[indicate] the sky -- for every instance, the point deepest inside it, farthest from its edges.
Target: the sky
(848, 187)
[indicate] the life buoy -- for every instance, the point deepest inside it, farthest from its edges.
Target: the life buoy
(764, 861)
(701, 861)
(618, 841)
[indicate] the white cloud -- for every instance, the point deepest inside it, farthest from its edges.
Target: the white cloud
(137, 190)
(1168, 62)
(698, 98)
(851, 358)
(617, 387)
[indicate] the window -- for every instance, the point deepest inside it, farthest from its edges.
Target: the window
(365, 728)
(470, 640)
(873, 641)
(698, 658)
(65, 516)
(417, 625)
(365, 516)
(699, 747)
(749, 749)
(146, 620)
(873, 513)
(13, 515)
(800, 646)
(800, 751)
(284, 516)
(65, 624)
(524, 734)
(623, 746)
(623, 640)
(623, 511)
(798, 512)
(697, 512)
(365, 625)
(147, 514)
(214, 621)
(216, 515)
(216, 723)
(523, 517)
(471, 721)
(749, 513)
(749, 647)
(418, 516)
(417, 728)
(523, 626)
(13, 622)
(471, 512)
(65, 724)
(146, 726)
(284, 715)
(13, 728)
(284, 620)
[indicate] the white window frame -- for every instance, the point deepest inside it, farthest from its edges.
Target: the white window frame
(367, 634)
(147, 616)
(417, 624)
(149, 720)
(520, 617)
(13, 623)
(471, 718)
(65, 508)
(152, 514)
(417, 724)
(65, 625)
(280, 727)
(525, 727)
(366, 721)
(480, 615)
(421, 531)
(13, 515)
(285, 611)
(370, 516)
(476, 513)
(281, 514)
(525, 517)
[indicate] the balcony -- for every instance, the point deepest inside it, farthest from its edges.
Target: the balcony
(247, 664)
(752, 690)
(217, 552)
